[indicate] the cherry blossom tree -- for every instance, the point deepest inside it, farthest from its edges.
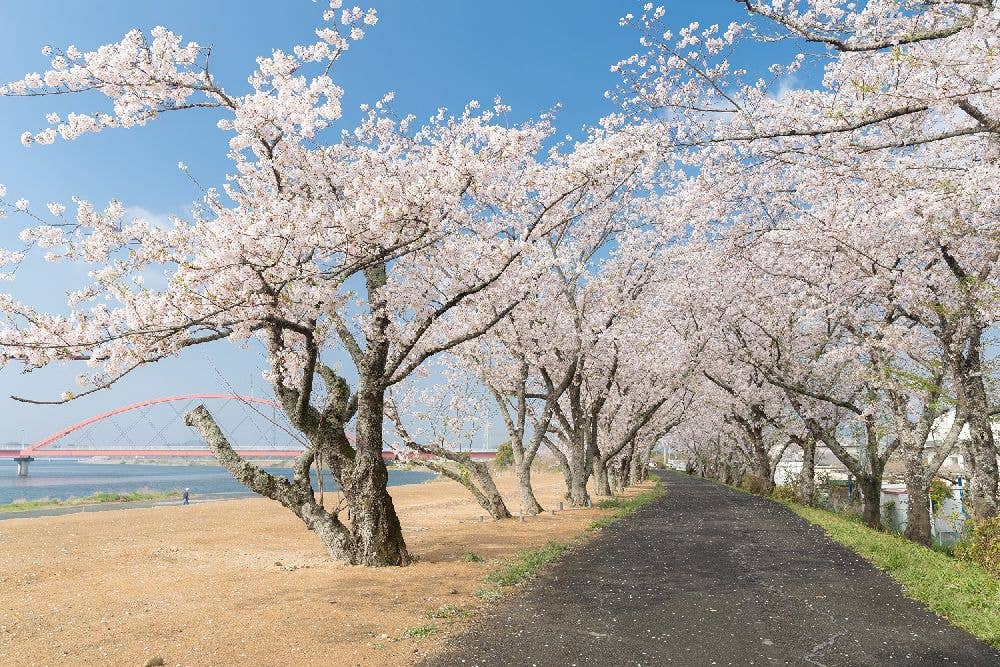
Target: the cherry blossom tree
(389, 241)
(870, 175)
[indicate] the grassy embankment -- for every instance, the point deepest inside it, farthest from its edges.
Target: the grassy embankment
(95, 499)
(955, 589)
(512, 572)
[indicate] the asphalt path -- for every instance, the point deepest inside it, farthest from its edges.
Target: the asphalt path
(710, 576)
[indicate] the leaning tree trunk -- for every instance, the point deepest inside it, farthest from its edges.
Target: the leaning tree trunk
(476, 478)
(564, 466)
(295, 494)
(458, 466)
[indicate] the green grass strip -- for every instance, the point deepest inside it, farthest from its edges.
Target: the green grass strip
(625, 506)
(95, 499)
(526, 564)
(958, 590)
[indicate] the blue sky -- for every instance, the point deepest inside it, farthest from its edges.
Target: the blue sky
(431, 53)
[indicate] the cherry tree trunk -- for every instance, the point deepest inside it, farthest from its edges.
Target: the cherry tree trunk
(295, 494)
(378, 537)
(475, 476)
(762, 468)
(528, 500)
(637, 466)
(602, 484)
(871, 501)
(492, 501)
(807, 478)
(579, 473)
(918, 516)
(564, 467)
(983, 484)
(981, 451)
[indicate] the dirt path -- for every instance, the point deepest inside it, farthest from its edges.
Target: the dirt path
(243, 582)
(710, 576)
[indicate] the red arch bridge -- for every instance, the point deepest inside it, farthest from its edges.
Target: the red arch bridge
(144, 436)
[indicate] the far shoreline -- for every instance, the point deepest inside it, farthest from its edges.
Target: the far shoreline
(143, 498)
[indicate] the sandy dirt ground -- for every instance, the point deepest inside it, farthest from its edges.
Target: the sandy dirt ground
(244, 583)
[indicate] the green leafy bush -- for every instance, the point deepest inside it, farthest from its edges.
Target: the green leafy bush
(939, 491)
(983, 545)
(505, 456)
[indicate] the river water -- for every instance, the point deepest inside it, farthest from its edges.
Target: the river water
(60, 479)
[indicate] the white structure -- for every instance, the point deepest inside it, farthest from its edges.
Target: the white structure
(955, 463)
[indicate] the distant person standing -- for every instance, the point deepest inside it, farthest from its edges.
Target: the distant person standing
(186, 497)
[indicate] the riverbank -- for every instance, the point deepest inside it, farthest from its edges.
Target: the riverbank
(62, 479)
(242, 582)
(99, 498)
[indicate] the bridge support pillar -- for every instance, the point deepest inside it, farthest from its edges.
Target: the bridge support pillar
(22, 464)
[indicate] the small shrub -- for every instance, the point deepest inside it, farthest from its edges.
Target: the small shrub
(983, 545)
(786, 493)
(505, 456)
(754, 484)
(472, 557)
(939, 491)
(889, 516)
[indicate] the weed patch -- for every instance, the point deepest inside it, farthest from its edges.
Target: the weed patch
(419, 631)
(448, 612)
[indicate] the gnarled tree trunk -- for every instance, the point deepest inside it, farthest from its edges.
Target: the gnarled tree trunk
(295, 494)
